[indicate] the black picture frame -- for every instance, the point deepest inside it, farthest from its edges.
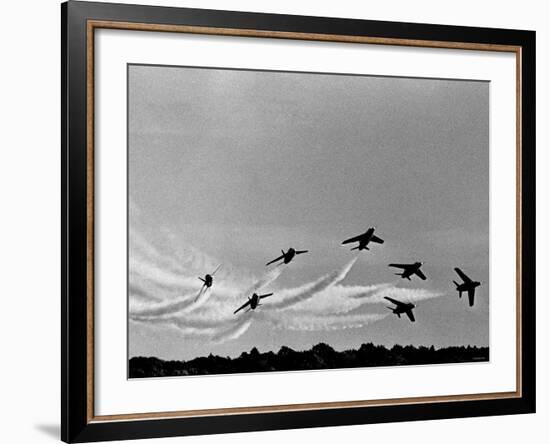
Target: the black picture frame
(77, 424)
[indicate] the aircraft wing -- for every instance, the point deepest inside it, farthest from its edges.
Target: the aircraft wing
(410, 314)
(301, 251)
(471, 294)
(403, 266)
(463, 276)
(241, 307)
(275, 260)
(265, 295)
(394, 301)
(420, 274)
(353, 239)
(376, 239)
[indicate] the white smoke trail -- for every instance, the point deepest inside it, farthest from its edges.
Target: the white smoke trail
(161, 272)
(402, 294)
(216, 321)
(267, 279)
(183, 322)
(164, 286)
(190, 302)
(339, 299)
(211, 330)
(140, 293)
(235, 331)
(185, 331)
(185, 304)
(307, 322)
(161, 278)
(140, 247)
(288, 298)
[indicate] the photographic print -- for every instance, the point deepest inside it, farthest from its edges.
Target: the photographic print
(345, 204)
(287, 221)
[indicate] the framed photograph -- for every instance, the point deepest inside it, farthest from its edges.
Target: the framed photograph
(275, 221)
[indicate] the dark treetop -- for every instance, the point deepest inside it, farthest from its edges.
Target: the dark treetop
(319, 357)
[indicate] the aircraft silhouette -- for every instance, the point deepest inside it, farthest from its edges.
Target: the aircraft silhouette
(364, 239)
(254, 302)
(409, 270)
(401, 307)
(467, 285)
(288, 256)
(209, 278)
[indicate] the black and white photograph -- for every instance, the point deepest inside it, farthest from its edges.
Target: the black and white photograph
(233, 221)
(291, 221)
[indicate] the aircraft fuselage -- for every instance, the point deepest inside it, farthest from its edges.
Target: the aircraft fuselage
(289, 255)
(467, 286)
(366, 239)
(399, 310)
(254, 301)
(208, 280)
(410, 270)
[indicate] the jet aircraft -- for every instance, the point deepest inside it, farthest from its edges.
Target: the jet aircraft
(288, 256)
(364, 239)
(208, 280)
(401, 307)
(409, 270)
(467, 285)
(254, 302)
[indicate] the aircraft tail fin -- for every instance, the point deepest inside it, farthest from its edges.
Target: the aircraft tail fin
(456, 283)
(354, 248)
(202, 279)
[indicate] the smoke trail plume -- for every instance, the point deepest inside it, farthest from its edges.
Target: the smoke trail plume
(291, 297)
(165, 292)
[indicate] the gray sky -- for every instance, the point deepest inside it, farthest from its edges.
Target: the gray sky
(231, 166)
